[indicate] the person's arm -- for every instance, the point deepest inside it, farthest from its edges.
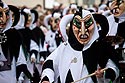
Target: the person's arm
(49, 67)
(112, 71)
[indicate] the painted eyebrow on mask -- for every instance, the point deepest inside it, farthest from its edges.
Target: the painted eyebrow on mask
(83, 19)
(88, 21)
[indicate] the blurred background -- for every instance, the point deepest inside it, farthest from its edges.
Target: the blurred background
(48, 4)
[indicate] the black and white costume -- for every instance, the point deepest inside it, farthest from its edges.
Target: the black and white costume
(53, 37)
(39, 36)
(72, 60)
(11, 50)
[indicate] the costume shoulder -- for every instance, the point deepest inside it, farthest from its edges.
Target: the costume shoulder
(13, 36)
(58, 52)
(38, 34)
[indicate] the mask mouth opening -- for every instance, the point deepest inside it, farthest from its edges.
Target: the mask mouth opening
(115, 11)
(84, 36)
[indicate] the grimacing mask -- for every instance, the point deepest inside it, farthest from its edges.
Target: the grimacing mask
(3, 16)
(83, 28)
(118, 7)
(54, 22)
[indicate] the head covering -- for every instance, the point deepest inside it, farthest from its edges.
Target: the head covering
(91, 9)
(34, 17)
(63, 23)
(16, 14)
(71, 37)
(9, 21)
(22, 21)
(55, 14)
(72, 6)
(46, 20)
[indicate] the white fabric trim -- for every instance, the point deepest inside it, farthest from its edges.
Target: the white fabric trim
(63, 23)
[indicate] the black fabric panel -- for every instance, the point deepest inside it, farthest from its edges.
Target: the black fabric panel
(90, 60)
(38, 34)
(23, 68)
(69, 78)
(59, 80)
(121, 30)
(12, 44)
(110, 74)
(34, 51)
(45, 79)
(58, 39)
(36, 75)
(44, 54)
(26, 37)
(99, 53)
(48, 64)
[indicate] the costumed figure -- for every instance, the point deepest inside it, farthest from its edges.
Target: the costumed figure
(29, 44)
(40, 37)
(116, 34)
(83, 53)
(18, 22)
(12, 55)
(53, 37)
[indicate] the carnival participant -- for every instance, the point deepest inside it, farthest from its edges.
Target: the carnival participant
(117, 19)
(30, 44)
(53, 37)
(12, 54)
(39, 36)
(117, 31)
(18, 23)
(82, 54)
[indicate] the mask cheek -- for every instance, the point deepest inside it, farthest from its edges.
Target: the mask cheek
(75, 30)
(91, 30)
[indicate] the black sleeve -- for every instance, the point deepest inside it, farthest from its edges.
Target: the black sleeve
(110, 74)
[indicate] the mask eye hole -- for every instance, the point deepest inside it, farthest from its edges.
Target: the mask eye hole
(88, 23)
(57, 20)
(76, 23)
(1, 14)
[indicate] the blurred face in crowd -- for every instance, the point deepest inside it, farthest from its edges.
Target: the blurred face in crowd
(3, 16)
(118, 7)
(83, 28)
(71, 11)
(54, 23)
(29, 21)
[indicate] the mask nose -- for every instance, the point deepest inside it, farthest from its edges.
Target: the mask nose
(82, 28)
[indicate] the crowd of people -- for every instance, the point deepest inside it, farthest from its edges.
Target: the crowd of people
(63, 45)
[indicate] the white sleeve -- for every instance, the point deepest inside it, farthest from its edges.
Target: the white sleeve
(21, 59)
(34, 46)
